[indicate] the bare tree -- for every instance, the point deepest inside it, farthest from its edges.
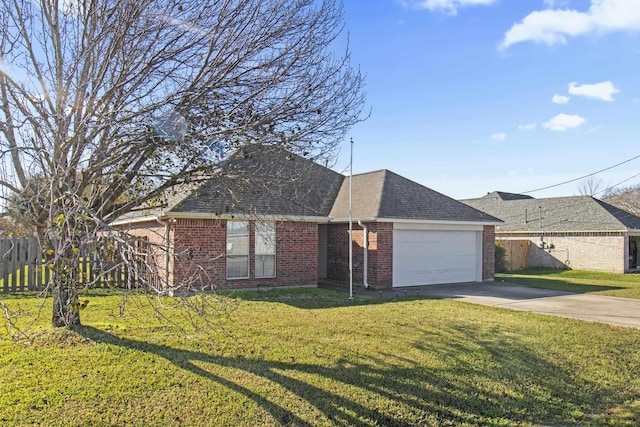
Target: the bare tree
(591, 186)
(106, 104)
(625, 198)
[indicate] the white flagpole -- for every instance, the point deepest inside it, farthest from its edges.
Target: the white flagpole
(351, 223)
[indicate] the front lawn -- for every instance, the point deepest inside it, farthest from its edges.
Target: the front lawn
(312, 357)
(616, 285)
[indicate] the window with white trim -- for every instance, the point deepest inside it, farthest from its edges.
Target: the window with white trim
(265, 249)
(237, 249)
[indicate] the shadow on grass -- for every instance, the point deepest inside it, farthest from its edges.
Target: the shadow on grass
(512, 384)
(303, 298)
(316, 298)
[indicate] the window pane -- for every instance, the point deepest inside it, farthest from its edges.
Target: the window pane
(237, 249)
(237, 245)
(237, 228)
(237, 266)
(265, 238)
(265, 265)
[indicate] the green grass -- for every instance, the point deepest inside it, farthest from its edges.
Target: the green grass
(312, 357)
(617, 285)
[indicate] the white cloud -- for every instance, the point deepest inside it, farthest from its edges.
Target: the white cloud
(555, 3)
(528, 126)
(560, 99)
(552, 26)
(603, 91)
(499, 136)
(562, 122)
(448, 6)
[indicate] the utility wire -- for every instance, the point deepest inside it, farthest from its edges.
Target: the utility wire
(582, 177)
(615, 185)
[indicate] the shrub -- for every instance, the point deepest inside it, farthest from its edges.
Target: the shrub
(501, 260)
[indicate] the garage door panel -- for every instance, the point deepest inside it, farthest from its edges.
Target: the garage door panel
(430, 257)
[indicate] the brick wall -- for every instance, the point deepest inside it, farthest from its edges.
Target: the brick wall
(488, 253)
(338, 252)
(296, 254)
(381, 269)
(380, 254)
(200, 248)
(154, 232)
(200, 255)
(578, 252)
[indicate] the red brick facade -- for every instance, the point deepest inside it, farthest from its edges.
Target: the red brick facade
(155, 234)
(197, 259)
(198, 254)
(380, 254)
(338, 252)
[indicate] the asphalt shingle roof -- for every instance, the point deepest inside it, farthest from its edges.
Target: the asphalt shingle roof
(268, 180)
(385, 194)
(508, 196)
(557, 214)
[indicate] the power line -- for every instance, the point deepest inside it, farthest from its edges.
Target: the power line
(583, 177)
(619, 183)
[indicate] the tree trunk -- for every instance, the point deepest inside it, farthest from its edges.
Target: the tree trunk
(64, 267)
(65, 306)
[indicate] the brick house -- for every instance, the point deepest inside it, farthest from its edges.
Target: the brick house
(577, 232)
(270, 218)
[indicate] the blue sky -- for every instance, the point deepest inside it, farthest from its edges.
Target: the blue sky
(472, 96)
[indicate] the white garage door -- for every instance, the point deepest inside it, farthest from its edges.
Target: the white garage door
(427, 257)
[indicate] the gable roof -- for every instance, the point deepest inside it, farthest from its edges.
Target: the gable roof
(271, 181)
(386, 195)
(557, 214)
(266, 180)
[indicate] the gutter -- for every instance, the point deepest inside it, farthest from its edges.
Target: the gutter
(201, 215)
(366, 253)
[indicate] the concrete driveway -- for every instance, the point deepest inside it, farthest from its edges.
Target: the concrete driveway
(593, 308)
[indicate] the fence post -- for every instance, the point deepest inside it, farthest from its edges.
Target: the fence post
(5, 246)
(13, 263)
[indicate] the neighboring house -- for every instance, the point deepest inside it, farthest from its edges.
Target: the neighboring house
(577, 232)
(271, 218)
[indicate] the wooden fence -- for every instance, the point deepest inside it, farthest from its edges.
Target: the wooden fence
(516, 254)
(23, 268)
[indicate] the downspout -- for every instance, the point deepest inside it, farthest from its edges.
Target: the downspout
(166, 251)
(366, 253)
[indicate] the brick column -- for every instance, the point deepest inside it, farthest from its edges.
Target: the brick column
(488, 253)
